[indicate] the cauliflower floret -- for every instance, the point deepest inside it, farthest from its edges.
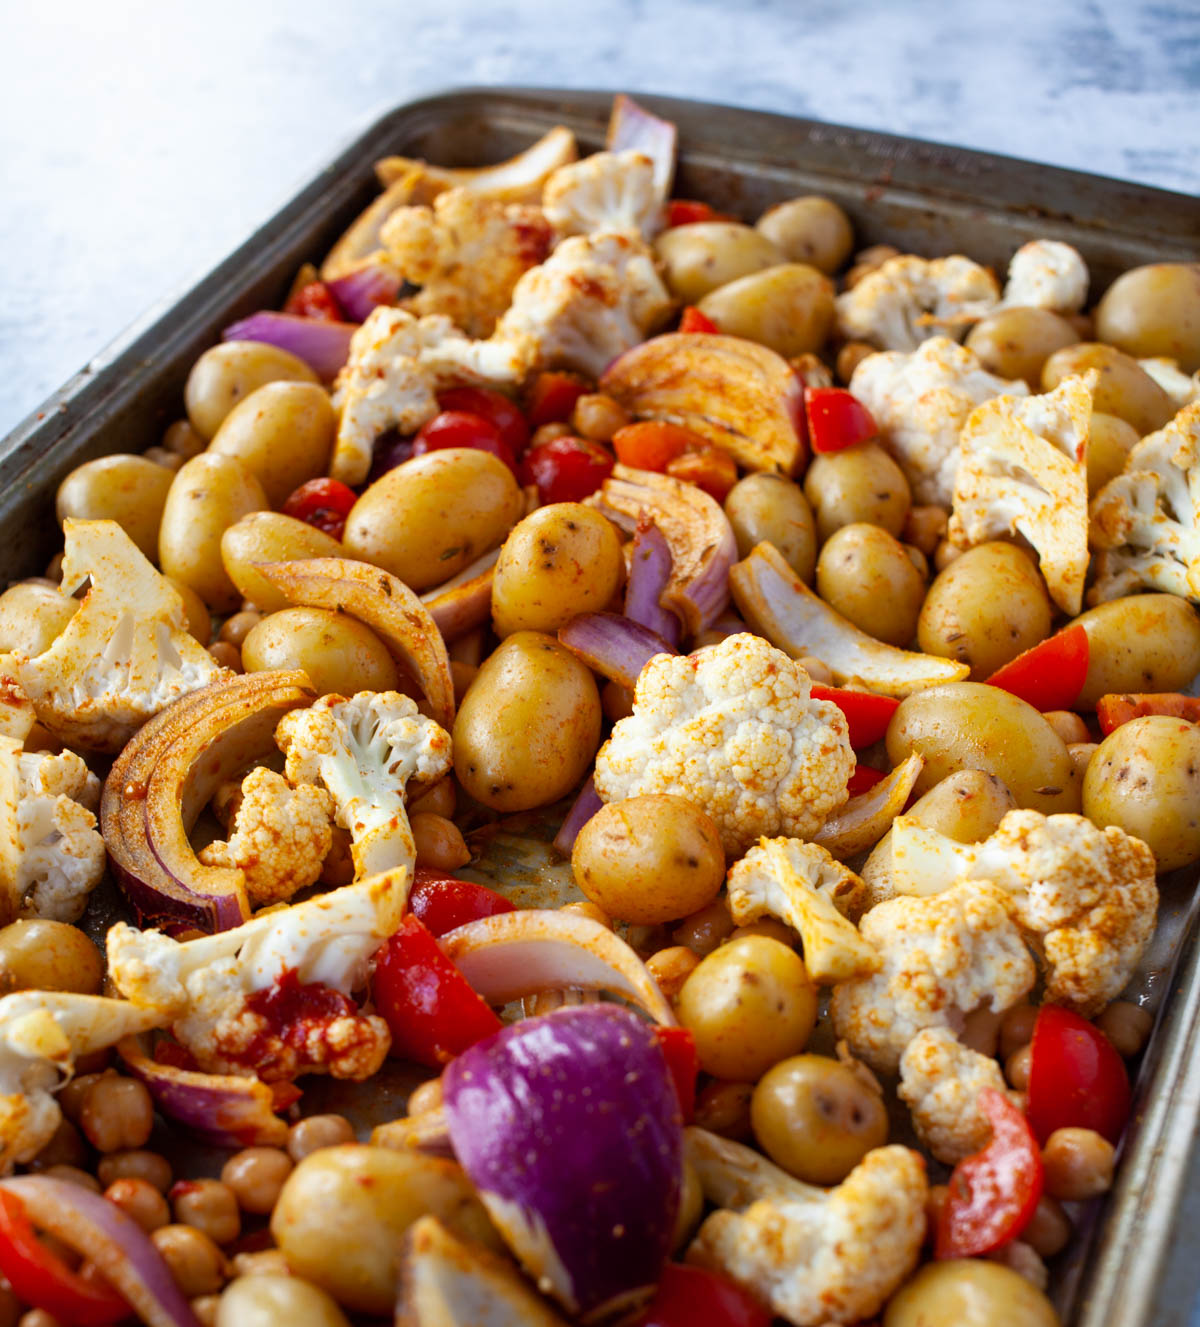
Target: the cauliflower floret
(1146, 521)
(271, 997)
(1046, 274)
(1023, 470)
(1181, 387)
(364, 751)
(610, 191)
(920, 402)
(466, 252)
(279, 838)
(127, 652)
(802, 885)
(814, 1256)
(941, 958)
(735, 729)
(908, 299)
(1085, 897)
(940, 1081)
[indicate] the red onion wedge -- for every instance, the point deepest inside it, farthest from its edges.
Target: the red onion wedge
(632, 126)
(582, 810)
(106, 1236)
(465, 601)
(323, 346)
(865, 819)
(649, 576)
(373, 282)
(569, 1127)
(613, 645)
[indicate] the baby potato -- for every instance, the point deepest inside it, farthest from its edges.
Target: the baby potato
(199, 619)
(1143, 642)
(810, 230)
(867, 576)
(969, 1292)
(1017, 342)
(707, 254)
(209, 494)
(1145, 778)
(269, 1300)
(282, 433)
(127, 489)
(41, 955)
(649, 859)
(560, 561)
(773, 508)
(227, 373)
(339, 653)
(859, 483)
(269, 536)
(427, 519)
(970, 725)
(32, 617)
(529, 726)
(1109, 443)
(1125, 388)
(1152, 311)
(987, 606)
(788, 308)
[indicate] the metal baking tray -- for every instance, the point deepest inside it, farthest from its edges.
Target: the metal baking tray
(919, 196)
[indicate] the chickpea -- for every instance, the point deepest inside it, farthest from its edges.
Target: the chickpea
(73, 1175)
(1049, 1228)
(140, 1200)
(769, 927)
(1016, 1068)
(195, 1262)
(205, 1308)
(1078, 1164)
(70, 1097)
(1127, 1026)
(586, 908)
(235, 629)
(256, 1176)
(925, 527)
(944, 554)
(598, 417)
(1081, 754)
(671, 967)
(160, 456)
(116, 1113)
(706, 928)
(209, 1206)
(1069, 726)
(317, 1131)
(65, 1148)
(440, 800)
(849, 358)
(981, 1030)
(262, 1262)
(1016, 1029)
(616, 701)
(439, 842)
(227, 655)
(867, 261)
(548, 432)
(136, 1164)
(183, 440)
(425, 1096)
(724, 1108)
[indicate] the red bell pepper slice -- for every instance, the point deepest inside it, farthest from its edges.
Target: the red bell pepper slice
(709, 468)
(867, 714)
(428, 1005)
(863, 779)
(41, 1278)
(651, 444)
(693, 1297)
(695, 321)
(1113, 711)
(552, 397)
(679, 1049)
(1051, 675)
(836, 419)
(1076, 1077)
(443, 902)
(992, 1195)
(687, 211)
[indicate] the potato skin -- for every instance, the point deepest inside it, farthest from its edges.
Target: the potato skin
(1125, 388)
(32, 615)
(810, 230)
(269, 536)
(867, 576)
(859, 483)
(1143, 642)
(969, 1292)
(282, 433)
(707, 254)
(227, 373)
(1152, 311)
(772, 507)
(788, 307)
(1110, 441)
(1017, 342)
(340, 654)
(127, 489)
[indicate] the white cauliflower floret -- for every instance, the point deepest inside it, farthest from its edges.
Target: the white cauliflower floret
(1085, 897)
(613, 191)
(1046, 274)
(920, 403)
(466, 252)
(941, 958)
(1146, 521)
(42, 1033)
(1023, 470)
(813, 1256)
(802, 885)
(279, 838)
(940, 1082)
(735, 729)
(1182, 388)
(364, 751)
(908, 299)
(231, 997)
(127, 652)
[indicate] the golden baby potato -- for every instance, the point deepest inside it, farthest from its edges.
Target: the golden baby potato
(282, 433)
(1017, 342)
(227, 373)
(1125, 389)
(867, 576)
(811, 230)
(127, 489)
(773, 508)
(1154, 311)
(969, 1292)
(1141, 642)
(340, 654)
(270, 536)
(33, 615)
(788, 308)
(707, 254)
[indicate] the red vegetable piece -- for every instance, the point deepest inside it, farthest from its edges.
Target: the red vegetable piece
(323, 503)
(1076, 1077)
(679, 1048)
(443, 903)
(992, 1195)
(566, 469)
(687, 211)
(836, 419)
(493, 406)
(1112, 711)
(315, 301)
(427, 1003)
(651, 444)
(690, 1296)
(695, 321)
(863, 780)
(1051, 675)
(709, 468)
(867, 714)
(40, 1277)
(457, 428)
(552, 398)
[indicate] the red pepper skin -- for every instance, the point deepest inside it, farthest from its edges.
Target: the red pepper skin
(693, 1297)
(316, 301)
(457, 428)
(1051, 675)
(679, 1049)
(1076, 1077)
(651, 444)
(493, 406)
(836, 419)
(444, 903)
(695, 321)
(992, 1195)
(323, 504)
(1113, 711)
(863, 780)
(566, 469)
(431, 1010)
(867, 714)
(687, 211)
(552, 398)
(41, 1278)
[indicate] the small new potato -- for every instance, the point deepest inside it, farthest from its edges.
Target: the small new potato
(866, 575)
(1125, 388)
(282, 433)
(127, 489)
(773, 508)
(858, 484)
(39, 954)
(1142, 642)
(1154, 311)
(269, 536)
(969, 1292)
(561, 560)
(749, 1004)
(1110, 440)
(1017, 342)
(339, 653)
(227, 373)
(269, 1300)
(32, 615)
(1145, 778)
(649, 859)
(810, 230)
(199, 619)
(788, 308)
(707, 254)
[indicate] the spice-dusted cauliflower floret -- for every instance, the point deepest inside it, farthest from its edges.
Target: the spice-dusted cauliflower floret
(364, 750)
(908, 299)
(1023, 470)
(920, 402)
(466, 252)
(1046, 274)
(1146, 521)
(940, 1082)
(802, 885)
(814, 1256)
(735, 729)
(279, 838)
(941, 958)
(1085, 897)
(606, 191)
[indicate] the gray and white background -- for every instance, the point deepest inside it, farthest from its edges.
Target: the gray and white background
(140, 140)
